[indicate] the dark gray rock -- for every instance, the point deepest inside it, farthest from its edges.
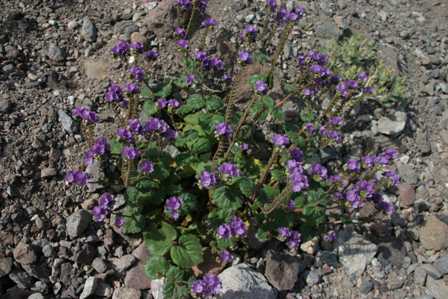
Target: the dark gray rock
(77, 223)
(5, 105)
(420, 275)
(86, 255)
(313, 277)
(22, 279)
(88, 30)
(5, 266)
(366, 285)
(55, 53)
(432, 271)
(282, 270)
(442, 264)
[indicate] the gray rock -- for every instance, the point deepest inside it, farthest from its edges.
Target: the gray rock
(24, 254)
(355, 253)
(137, 279)
(88, 30)
(432, 271)
(123, 263)
(89, 287)
(282, 270)
(47, 250)
(141, 252)
(437, 288)
(5, 105)
(119, 202)
(36, 296)
(22, 279)
(99, 265)
(420, 276)
(407, 195)
(104, 290)
(126, 293)
(313, 277)
(48, 172)
(66, 121)
(434, 234)
(157, 286)
(66, 273)
(77, 223)
(407, 173)
(72, 25)
(327, 29)
(392, 127)
(96, 174)
(5, 266)
(243, 282)
(395, 281)
(86, 255)
(55, 53)
(442, 264)
(366, 285)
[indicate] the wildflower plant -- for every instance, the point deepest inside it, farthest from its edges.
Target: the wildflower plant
(203, 172)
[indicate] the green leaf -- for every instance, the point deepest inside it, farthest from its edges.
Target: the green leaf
(159, 241)
(175, 285)
(188, 253)
(156, 267)
(150, 108)
(214, 103)
(165, 91)
(247, 186)
(146, 93)
(194, 103)
(115, 147)
(133, 221)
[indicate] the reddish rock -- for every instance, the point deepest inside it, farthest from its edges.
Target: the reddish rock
(141, 252)
(137, 279)
(434, 234)
(407, 195)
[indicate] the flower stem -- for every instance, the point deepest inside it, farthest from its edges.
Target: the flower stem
(265, 173)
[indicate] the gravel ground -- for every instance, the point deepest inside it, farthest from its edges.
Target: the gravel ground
(54, 54)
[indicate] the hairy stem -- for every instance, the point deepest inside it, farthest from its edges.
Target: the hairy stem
(265, 173)
(281, 45)
(192, 17)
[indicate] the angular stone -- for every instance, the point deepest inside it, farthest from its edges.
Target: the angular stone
(442, 264)
(89, 287)
(366, 285)
(282, 270)
(5, 266)
(24, 254)
(96, 69)
(434, 234)
(137, 279)
(48, 172)
(88, 30)
(432, 271)
(141, 252)
(437, 288)
(407, 195)
(420, 275)
(66, 121)
(241, 281)
(392, 127)
(313, 277)
(99, 265)
(77, 223)
(126, 293)
(123, 263)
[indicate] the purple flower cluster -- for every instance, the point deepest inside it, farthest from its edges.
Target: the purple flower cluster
(235, 228)
(76, 177)
(183, 43)
(209, 62)
(208, 286)
(188, 4)
(132, 88)
(151, 54)
(172, 207)
(168, 103)
(223, 129)
(318, 171)
(261, 86)
(295, 14)
(292, 237)
(98, 149)
(103, 209)
(209, 22)
(85, 114)
(145, 167)
(245, 57)
(207, 179)
(229, 169)
(330, 236)
(130, 152)
(250, 31)
(114, 93)
(121, 48)
(137, 46)
(280, 140)
(331, 134)
(297, 176)
(137, 73)
(225, 256)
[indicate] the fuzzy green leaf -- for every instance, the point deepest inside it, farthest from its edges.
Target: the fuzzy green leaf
(165, 91)
(156, 267)
(159, 241)
(188, 253)
(115, 147)
(175, 285)
(150, 108)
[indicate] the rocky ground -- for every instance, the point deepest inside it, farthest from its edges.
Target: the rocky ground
(54, 54)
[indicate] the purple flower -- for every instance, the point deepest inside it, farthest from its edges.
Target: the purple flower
(363, 76)
(318, 170)
(185, 4)
(173, 103)
(172, 206)
(217, 63)
(225, 256)
(99, 213)
(200, 55)
(244, 147)
(261, 86)
(76, 177)
(309, 92)
(250, 31)
(223, 129)
(296, 154)
(121, 48)
(130, 153)
(135, 126)
(152, 125)
(137, 46)
(124, 134)
(162, 103)
(353, 196)
(272, 4)
(353, 165)
(297, 177)
(229, 169)
(366, 188)
(181, 32)
(245, 57)
(119, 221)
(114, 93)
(183, 43)
(208, 179)
(145, 166)
(237, 227)
(336, 121)
(280, 140)
(151, 54)
(284, 232)
(100, 146)
(294, 240)
(291, 204)
(208, 286)
(393, 176)
(368, 161)
(85, 114)
(105, 200)
(132, 88)
(209, 22)
(137, 73)
(330, 236)
(334, 179)
(224, 231)
(309, 127)
(190, 79)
